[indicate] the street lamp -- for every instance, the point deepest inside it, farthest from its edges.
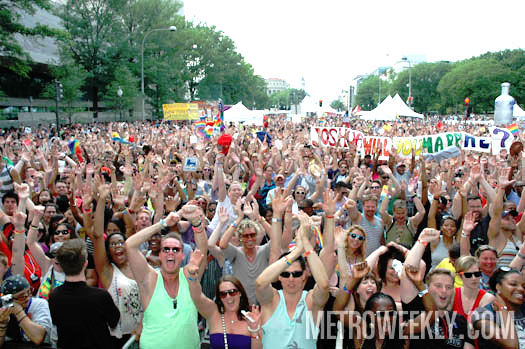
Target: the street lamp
(409, 81)
(119, 94)
(172, 29)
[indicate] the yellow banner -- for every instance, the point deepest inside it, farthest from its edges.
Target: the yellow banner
(181, 111)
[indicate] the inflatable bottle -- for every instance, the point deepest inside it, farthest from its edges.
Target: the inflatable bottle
(504, 106)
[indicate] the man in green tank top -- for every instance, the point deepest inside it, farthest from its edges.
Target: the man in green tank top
(170, 317)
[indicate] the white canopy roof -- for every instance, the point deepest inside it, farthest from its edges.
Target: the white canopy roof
(390, 109)
(239, 113)
(308, 105)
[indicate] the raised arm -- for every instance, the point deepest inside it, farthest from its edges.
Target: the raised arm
(32, 240)
(468, 226)
(327, 252)
(102, 264)
(418, 217)
(19, 243)
(279, 204)
(205, 306)
(219, 174)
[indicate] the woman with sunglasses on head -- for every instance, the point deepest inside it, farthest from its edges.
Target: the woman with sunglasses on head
(229, 319)
(113, 269)
(469, 297)
(501, 322)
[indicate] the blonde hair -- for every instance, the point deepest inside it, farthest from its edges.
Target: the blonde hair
(464, 263)
(245, 224)
(362, 249)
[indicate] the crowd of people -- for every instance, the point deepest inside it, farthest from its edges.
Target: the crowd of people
(111, 239)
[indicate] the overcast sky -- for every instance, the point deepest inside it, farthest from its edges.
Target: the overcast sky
(329, 42)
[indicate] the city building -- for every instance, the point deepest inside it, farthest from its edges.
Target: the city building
(274, 85)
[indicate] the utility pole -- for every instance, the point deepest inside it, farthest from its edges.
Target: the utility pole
(59, 96)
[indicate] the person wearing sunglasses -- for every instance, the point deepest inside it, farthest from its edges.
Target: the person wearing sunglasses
(229, 328)
(170, 316)
(469, 297)
(500, 323)
(278, 330)
(113, 268)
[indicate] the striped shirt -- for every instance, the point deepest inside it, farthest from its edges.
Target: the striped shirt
(374, 233)
(6, 181)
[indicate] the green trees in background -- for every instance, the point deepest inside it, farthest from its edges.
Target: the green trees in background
(443, 86)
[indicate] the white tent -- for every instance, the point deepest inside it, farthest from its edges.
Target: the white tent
(239, 113)
(381, 112)
(308, 105)
(518, 112)
(402, 109)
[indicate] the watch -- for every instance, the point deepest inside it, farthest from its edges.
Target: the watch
(421, 294)
(276, 220)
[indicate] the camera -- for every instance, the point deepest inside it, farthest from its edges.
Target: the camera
(6, 301)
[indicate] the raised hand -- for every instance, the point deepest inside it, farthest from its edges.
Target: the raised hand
(238, 207)
(223, 215)
(504, 180)
(19, 220)
(328, 202)
(191, 212)
(350, 205)
(255, 315)
(429, 235)
(340, 237)
(279, 202)
(22, 190)
(38, 211)
(172, 219)
(469, 224)
(475, 173)
(360, 270)
(195, 261)
(103, 191)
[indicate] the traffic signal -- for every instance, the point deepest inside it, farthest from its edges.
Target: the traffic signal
(59, 90)
(467, 101)
(320, 102)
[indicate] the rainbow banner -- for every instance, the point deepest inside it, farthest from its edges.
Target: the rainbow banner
(513, 128)
(74, 147)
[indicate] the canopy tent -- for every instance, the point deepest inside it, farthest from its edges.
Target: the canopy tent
(239, 113)
(518, 112)
(390, 110)
(308, 105)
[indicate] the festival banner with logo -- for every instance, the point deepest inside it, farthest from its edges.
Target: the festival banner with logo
(476, 143)
(370, 145)
(335, 136)
(426, 144)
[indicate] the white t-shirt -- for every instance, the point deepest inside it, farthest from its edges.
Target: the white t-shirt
(231, 212)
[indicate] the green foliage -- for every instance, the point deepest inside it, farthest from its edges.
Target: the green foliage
(368, 92)
(124, 80)
(10, 14)
(338, 105)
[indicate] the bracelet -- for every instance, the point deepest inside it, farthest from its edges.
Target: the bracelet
(521, 255)
(19, 321)
(424, 243)
(276, 220)
(86, 210)
(19, 231)
(163, 223)
(287, 260)
(307, 253)
(32, 226)
(463, 235)
(234, 225)
(131, 211)
(254, 330)
(196, 225)
(191, 279)
(329, 217)
(346, 289)
(255, 337)
(196, 229)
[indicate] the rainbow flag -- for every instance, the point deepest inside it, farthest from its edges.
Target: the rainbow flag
(513, 128)
(74, 147)
(318, 237)
(200, 124)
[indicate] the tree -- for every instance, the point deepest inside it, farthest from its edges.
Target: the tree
(338, 105)
(72, 77)
(93, 28)
(10, 14)
(127, 82)
(478, 79)
(367, 95)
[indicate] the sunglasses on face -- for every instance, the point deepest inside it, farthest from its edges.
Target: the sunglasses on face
(375, 187)
(171, 249)
(299, 193)
(211, 209)
(357, 236)
(295, 274)
(232, 293)
(116, 244)
(468, 275)
(385, 177)
(249, 236)
(61, 232)
(198, 171)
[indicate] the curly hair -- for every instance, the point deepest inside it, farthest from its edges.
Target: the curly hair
(245, 224)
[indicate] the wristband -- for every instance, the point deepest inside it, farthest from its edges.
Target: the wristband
(287, 260)
(163, 223)
(196, 225)
(307, 253)
(255, 337)
(234, 225)
(196, 229)
(424, 243)
(276, 220)
(86, 210)
(19, 321)
(346, 289)
(254, 330)
(464, 235)
(19, 231)
(32, 226)
(329, 217)
(191, 279)
(521, 255)
(131, 211)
